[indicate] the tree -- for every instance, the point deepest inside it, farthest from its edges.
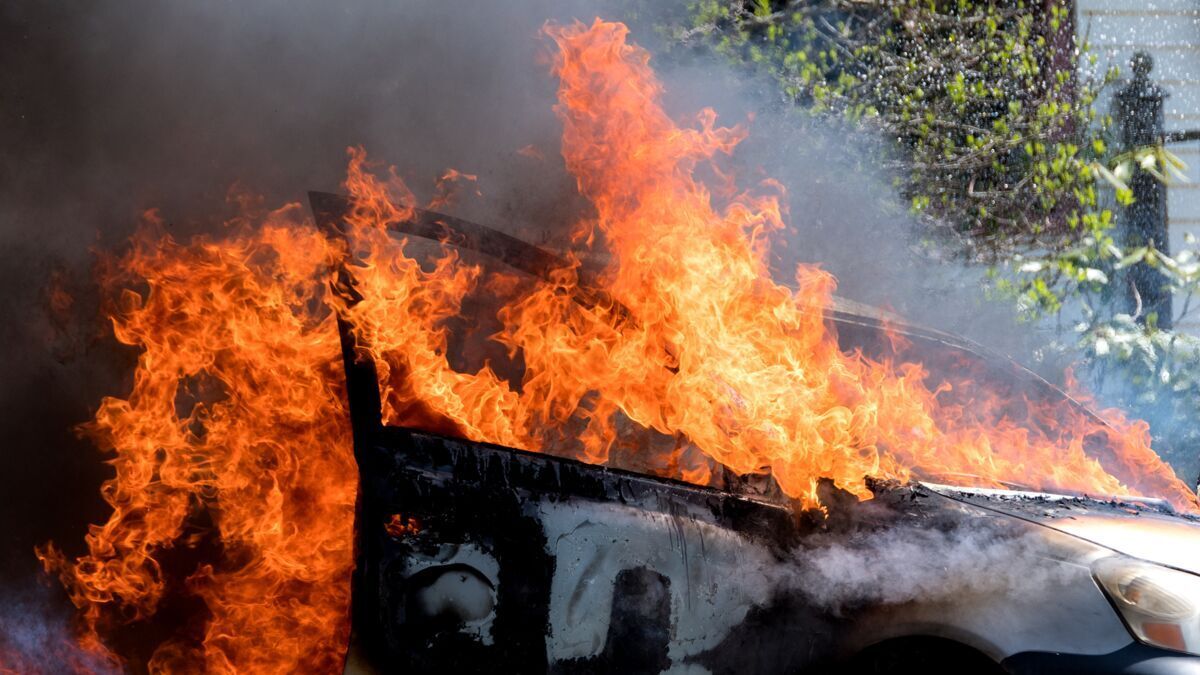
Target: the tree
(991, 134)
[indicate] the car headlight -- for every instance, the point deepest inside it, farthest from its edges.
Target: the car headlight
(1159, 605)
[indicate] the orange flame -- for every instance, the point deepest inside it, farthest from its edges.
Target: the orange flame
(233, 441)
(232, 446)
(741, 366)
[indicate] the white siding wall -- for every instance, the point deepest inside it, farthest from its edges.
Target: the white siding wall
(1170, 31)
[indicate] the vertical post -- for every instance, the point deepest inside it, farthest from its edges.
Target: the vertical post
(1139, 112)
(362, 384)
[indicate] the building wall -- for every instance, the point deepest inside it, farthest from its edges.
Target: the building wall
(1170, 31)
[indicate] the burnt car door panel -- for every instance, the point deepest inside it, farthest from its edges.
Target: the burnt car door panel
(477, 557)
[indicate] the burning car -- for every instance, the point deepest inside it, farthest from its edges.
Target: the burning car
(476, 557)
(641, 453)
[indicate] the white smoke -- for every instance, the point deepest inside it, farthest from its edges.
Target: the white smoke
(920, 561)
(36, 635)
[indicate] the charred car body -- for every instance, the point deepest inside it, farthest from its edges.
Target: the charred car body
(474, 557)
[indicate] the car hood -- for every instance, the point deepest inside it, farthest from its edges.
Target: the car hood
(1145, 529)
(1167, 540)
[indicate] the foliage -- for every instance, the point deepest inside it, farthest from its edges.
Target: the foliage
(994, 143)
(1151, 371)
(1000, 151)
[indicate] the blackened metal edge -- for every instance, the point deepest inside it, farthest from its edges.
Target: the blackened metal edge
(362, 383)
(366, 418)
(491, 466)
(464, 234)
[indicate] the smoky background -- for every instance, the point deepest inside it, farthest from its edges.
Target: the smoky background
(108, 109)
